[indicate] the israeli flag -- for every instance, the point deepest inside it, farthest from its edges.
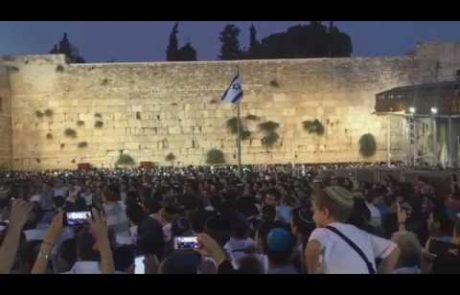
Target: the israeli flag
(234, 92)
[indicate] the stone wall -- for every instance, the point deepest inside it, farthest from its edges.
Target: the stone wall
(151, 109)
(5, 119)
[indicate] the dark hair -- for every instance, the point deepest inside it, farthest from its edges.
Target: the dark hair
(123, 257)
(28, 253)
(150, 237)
(68, 251)
(302, 218)
(218, 228)
(250, 265)
(240, 229)
(112, 193)
(198, 220)
(135, 213)
(179, 226)
(85, 243)
(268, 213)
(153, 205)
(180, 264)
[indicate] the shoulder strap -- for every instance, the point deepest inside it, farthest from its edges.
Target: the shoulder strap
(355, 247)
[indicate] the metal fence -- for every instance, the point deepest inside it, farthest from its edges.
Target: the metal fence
(441, 180)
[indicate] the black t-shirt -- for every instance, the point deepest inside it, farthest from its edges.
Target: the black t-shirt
(447, 263)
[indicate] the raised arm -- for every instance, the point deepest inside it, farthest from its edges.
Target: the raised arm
(19, 214)
(50, 239)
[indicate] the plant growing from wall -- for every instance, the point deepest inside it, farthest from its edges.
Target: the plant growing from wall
(215, 156)
(62, 145)
(274, 83)
(105, 81)
(38, 114)
(251, 117)
(269, 126)
(170, 157)
(49, 136)
(125, 160)
(232, 125)
(59, 69)
(97, 115)
(82, 144)
(270, 139)
(69, 132)
(314, 127)
(48, 112)
(80, 123)
(367, 145)
(98, 124)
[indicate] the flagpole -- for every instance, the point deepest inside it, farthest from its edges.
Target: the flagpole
(238, 140)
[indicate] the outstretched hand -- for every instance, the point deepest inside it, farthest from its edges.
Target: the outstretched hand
(98, 226)
(209, 247)
(19, 215)
(55, 229)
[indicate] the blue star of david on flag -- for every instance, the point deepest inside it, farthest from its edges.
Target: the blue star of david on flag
(234, 92)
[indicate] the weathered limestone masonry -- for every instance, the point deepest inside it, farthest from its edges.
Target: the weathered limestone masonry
(5, 119)
(151, 109)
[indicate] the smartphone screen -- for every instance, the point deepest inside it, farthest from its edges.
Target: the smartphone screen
(185, 243)
(77, 218)
(139, 266)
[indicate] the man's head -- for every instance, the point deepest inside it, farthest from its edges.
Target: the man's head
(135, 213)
(271, 198)
(86, 246)
(279, 245)
(332, 204)
(67, 256)
(123, 258)
(150, 237)
(181, 263)
(302, 222)
(249, 264)
(218, 228)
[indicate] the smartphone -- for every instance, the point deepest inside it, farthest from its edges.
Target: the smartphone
(76, 218)
(185, 243)
(139, 265)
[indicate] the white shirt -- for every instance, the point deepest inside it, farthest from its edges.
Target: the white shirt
(376, 217)
(236, 244)
(414, 270)
(338, 257)
(85, 267)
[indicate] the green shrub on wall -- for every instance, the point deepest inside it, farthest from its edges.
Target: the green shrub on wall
(232, 125)
(48, 112)
(125, 160)
(80, 123)
(98, 124)
(270, 139)
(251, 117)
(39, 114)
(69, 132)
(215, 156)
(314, 126)
(82, 144)
(170, 157)
(269, 126)
(49, 136)
(367, 145)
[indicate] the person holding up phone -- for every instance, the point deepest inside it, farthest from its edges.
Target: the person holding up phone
(98, 230)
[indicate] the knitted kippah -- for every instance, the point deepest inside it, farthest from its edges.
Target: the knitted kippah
(340, 195)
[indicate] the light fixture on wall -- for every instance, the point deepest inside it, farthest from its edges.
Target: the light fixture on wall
(412, 110)
(434, 110)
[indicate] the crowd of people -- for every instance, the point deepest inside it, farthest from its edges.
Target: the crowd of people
(222, 220)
